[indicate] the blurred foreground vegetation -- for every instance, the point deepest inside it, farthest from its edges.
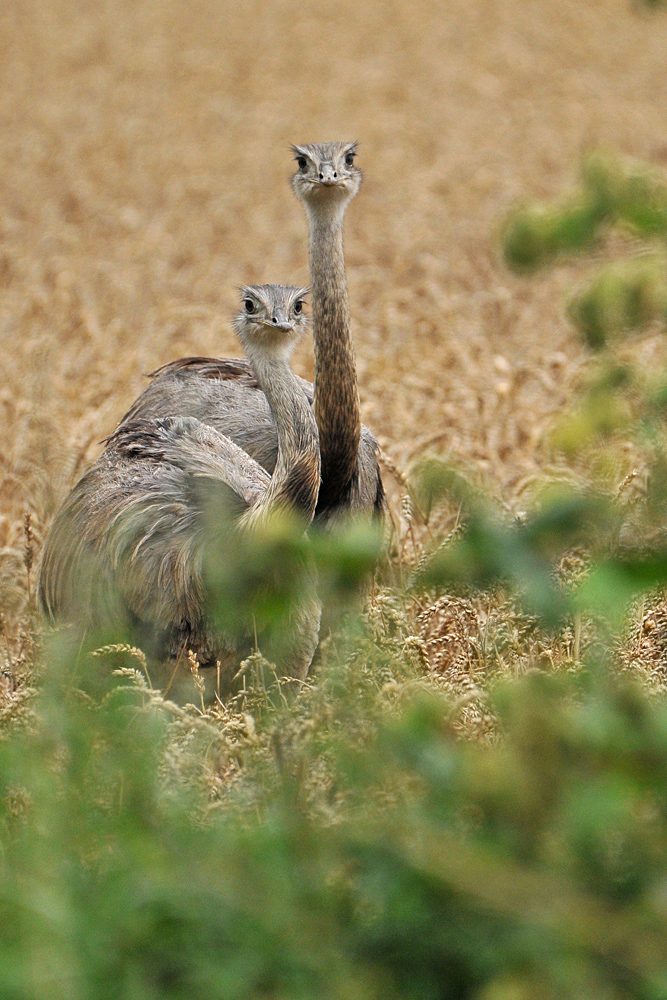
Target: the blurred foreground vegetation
(349, 839)
(367, 851)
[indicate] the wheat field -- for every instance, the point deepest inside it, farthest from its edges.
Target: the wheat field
(144, 169)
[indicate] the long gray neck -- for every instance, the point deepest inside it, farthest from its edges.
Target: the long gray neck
(336, 401)
(296, 478)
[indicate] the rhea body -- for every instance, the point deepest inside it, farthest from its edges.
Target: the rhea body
(130, 542)
(227, 394)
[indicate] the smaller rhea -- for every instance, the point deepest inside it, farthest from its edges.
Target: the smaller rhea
(130, 542)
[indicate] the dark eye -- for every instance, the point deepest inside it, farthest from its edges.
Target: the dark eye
(249, 305)
(298, 306)
(302, 162)
(349, 159)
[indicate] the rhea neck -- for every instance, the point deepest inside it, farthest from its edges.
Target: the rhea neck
(336, 399)
(296, 478)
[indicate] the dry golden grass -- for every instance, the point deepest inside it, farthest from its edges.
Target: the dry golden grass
(144, 173)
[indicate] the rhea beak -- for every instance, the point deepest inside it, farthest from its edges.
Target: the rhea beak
(280, 321)
(328, 176)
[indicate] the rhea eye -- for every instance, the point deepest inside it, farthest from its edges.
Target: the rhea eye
(302, 162)
(298, 306)
(349, 159)
(249, 305)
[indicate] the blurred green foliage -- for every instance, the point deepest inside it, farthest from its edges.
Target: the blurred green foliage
(263, 575)
(522, 554)
(532, 867)
(612, 196)
(611, 193)
(525, 554)
(621, 298)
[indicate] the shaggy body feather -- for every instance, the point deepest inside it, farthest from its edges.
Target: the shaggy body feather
(128, 545)
(225, 394)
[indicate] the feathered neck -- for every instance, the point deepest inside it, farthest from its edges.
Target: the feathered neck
(296, 478)
(336, 401)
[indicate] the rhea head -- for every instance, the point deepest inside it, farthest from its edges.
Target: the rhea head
(326, 175)
(271, 321)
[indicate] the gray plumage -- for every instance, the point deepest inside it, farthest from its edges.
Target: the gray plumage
(225, 393)
(128, 546)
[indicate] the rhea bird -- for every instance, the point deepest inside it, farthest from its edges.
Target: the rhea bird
(131, 541)
(228, 395)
